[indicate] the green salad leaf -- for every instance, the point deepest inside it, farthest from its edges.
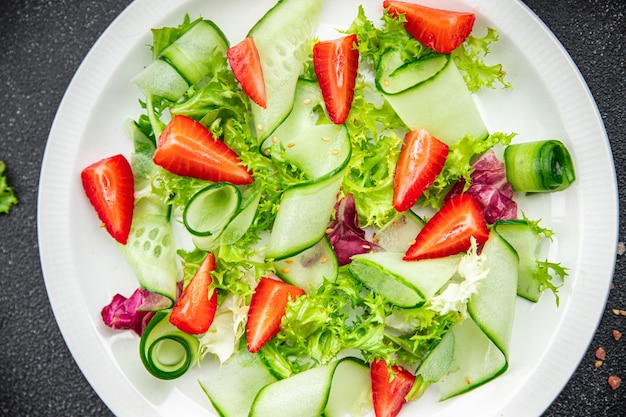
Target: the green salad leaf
(7, 196)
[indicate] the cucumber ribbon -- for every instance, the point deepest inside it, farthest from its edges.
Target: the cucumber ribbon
(540, 166)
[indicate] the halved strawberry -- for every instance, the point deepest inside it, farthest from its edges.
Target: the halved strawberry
(440, 30)
(246, 65)
(335, 63)
(450, 230)
(194, 311)
(421, 159)
(389, 392)
(267, 309)
(188, 148)
(110, 187)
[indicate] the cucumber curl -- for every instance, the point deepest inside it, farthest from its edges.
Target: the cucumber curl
(540, 166)
(166, 351)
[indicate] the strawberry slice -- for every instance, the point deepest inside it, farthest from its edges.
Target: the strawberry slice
(194, 311)
(335, 63)
(450, 230)
(110, 187)
(421, 159)
(267, 309)
(246, 65)
(440, 30)
(389, 395)
(188, 148)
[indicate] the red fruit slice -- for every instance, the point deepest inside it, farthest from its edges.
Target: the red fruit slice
(389, 394)
(421, 159)
(188, 148)
(440, 30)
(450, 230)
(335, 63)
(267, 308)
(246, 65)
(109, 185)
(194, 311)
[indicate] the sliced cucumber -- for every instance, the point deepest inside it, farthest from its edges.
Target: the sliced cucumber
(237, 382)
(317, 149)
(209, 211)
(150, 249)
(165, 351)
(310, 268)
(527, 243)
(442, 105)
(394, 76)
(316, 391)
(482, 342)
(183, 63)
(242, 221)
(283, 38)
(192, 54)
(303, 217)
(404, 283)
(399, 233)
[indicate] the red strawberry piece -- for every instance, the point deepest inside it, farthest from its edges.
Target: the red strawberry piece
(440, 30)
(110, 187)
(389, 389)
(267, 309)
(188, 148)
(336, 63)
(194, 311)
(450, 230)
(421, 159)
(246, 65)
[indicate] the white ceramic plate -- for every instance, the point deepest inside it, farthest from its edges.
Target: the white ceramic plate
(83, 268)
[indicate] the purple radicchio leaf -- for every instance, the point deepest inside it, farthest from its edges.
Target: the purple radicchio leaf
(345, 235)
(134, 312)
(490, 187)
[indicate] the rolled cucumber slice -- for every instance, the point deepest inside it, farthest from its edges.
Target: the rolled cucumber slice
(394, 76)
(332, 390)
(303, 217)
(283, 37)
(527, 243)
(442, 105)
(310, 268)
(482, 341)
(405, 284)
(399, 233)
(150, 249)
(183, 63)
(165, 351)
(234, 386)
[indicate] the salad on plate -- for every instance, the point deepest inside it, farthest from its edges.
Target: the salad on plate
(328, 220)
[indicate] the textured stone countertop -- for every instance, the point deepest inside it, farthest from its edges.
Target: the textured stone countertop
(45, 41)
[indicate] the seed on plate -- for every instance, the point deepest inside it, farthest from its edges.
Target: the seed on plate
(288, 261)
(325, 139)
(614, 381)
(617, 335)
(274, 139)
(335, 152)
(615, 311)
(386, 82)
(291, 145)
(467, 380)
(598, 364)
(412, 242)
(259, 127)
(307, 101)
(365, 246)
(324, 259)
(329, 230)
(622, 312)
(285, 270)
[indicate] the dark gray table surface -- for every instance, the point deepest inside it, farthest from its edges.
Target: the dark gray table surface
(45, 41)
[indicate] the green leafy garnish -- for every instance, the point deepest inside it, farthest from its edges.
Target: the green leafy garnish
(7, 196)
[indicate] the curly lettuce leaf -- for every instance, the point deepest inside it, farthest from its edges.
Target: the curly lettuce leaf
(7, 196)
(470, 59)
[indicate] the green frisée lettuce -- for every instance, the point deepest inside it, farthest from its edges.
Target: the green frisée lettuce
(365, 302)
